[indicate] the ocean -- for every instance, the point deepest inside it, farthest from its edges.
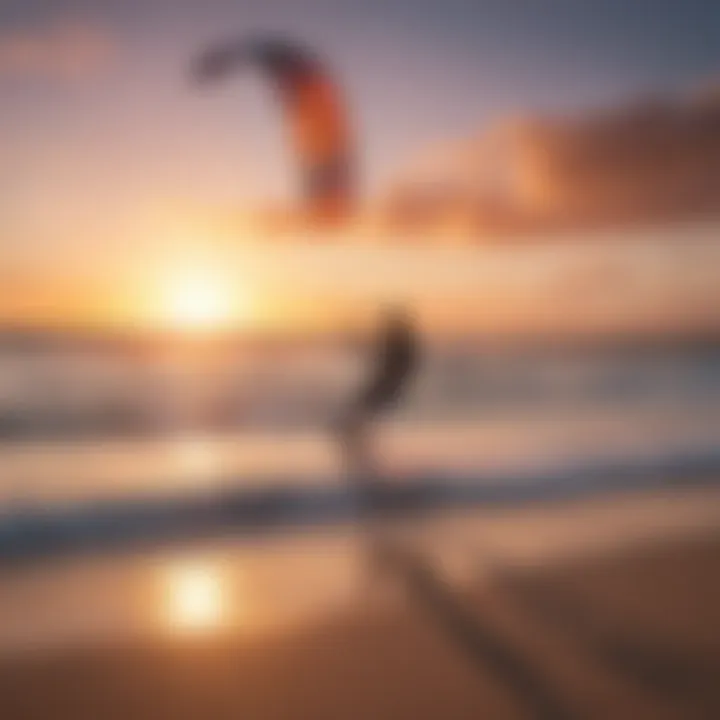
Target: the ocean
(221, 478)
(82, 428)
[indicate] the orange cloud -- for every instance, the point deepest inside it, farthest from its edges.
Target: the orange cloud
(645, 163)
(653, 161)
(63, 51)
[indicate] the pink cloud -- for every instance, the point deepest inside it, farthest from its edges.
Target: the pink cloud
(63, 51)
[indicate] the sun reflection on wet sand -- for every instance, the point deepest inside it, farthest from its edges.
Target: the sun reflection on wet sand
(197, 597)
(269, 586)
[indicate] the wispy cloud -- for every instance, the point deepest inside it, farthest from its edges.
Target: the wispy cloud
(58, 51)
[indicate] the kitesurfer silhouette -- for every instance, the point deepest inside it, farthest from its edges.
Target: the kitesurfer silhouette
(394, 363)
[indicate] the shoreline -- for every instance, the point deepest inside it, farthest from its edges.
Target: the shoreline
(632, 634)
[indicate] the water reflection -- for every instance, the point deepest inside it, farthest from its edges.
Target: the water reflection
(198, 597)
(268, 586)
(198, 459)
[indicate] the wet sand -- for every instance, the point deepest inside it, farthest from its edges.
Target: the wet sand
(626, 633)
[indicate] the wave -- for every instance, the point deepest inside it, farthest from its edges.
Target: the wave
(33, 533)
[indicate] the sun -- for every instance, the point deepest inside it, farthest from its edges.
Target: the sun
(199, 304)
(202, 299)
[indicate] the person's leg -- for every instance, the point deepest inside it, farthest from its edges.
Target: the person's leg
(351, 438)
(353, 429)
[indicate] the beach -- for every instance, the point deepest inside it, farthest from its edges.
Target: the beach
(359, 361)
(596, 608)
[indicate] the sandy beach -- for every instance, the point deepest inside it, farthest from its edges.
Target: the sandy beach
(622, 625)
(359, 360)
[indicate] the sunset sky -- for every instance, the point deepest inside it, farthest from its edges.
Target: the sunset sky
(120, 182)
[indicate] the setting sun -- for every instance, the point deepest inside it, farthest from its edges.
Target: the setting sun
(204, 300)
(199, 304)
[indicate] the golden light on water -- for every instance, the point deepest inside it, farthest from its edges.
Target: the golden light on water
(197, 459)
(197, 597)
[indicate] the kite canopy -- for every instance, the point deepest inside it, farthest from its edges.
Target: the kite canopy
(314, 111)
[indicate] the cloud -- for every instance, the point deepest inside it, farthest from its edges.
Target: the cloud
(653, 161)
(650, 162)
(60, 51)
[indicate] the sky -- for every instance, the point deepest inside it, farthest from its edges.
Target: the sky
(109, 156)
